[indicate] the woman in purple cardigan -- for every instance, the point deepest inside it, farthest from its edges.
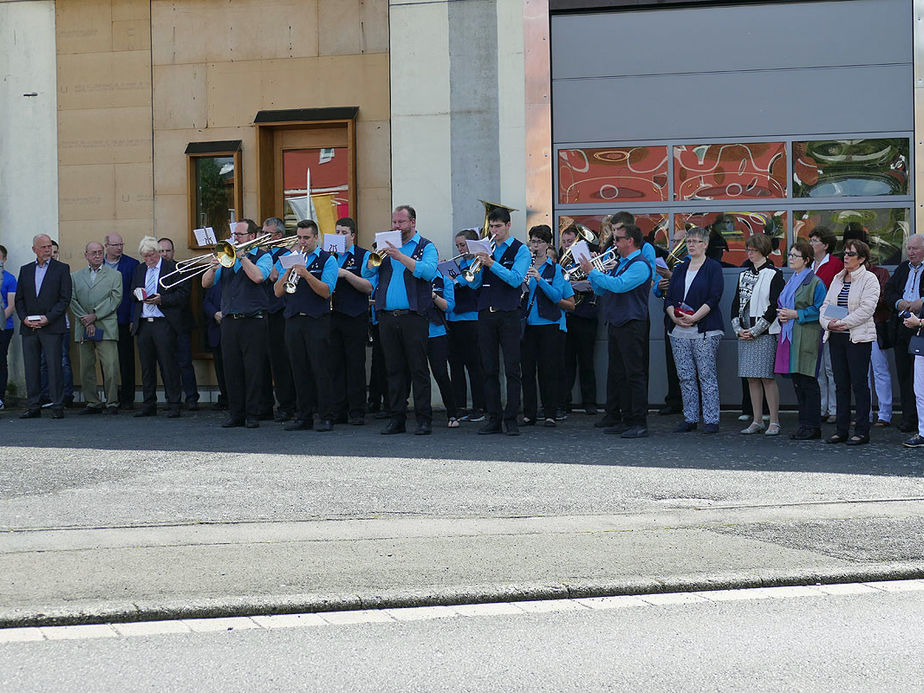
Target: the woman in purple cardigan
(695, 326)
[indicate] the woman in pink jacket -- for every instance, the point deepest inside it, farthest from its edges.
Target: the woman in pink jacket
(847, 318)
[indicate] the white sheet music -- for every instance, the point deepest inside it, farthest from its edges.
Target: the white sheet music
(292, 260)
(383, 238)
(580, 251)
(482, 245)
(334, 243)
(201, 237)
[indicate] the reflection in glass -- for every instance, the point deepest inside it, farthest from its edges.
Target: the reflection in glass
(754, 170)
(888, 229)
(850, 168)
(328, 171)
(730, 230)
(215, 193)
(654, 227)
(633, 174)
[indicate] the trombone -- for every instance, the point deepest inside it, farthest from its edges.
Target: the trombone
(225, 253)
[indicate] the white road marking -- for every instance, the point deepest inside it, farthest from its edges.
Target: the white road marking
(399, 615)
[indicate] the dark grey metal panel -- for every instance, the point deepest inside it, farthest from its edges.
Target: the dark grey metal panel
(860, 32)
(753, 104)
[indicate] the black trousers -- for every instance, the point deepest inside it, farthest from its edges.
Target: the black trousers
(243, 346)
(378, 381)
(579, 358)
(185, 362)
(404, 344)
(628, 370)
(278, 370)
(347, 359)
(850, 363)
(438, 356)
(34, 343)
(541, 353)
(808, 395)
(308, 344)
(126, 365)
(500, 330)
(904, 369)
(219, 363)
(6, 337)
(465, 356)
(157, 346)
(673, 398)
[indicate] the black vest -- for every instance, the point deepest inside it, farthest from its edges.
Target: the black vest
(305, 300)
(494, 291)
(239, 294)
(434, 314)
(545, 308)
(348, 300)
(618, 309)
(419, 291)
(276, 304)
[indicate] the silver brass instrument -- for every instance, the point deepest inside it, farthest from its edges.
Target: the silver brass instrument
(472, 271)
(291, 285)
(603, 262)
(225, 252)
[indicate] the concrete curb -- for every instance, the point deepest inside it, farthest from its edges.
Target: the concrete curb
(157, 610)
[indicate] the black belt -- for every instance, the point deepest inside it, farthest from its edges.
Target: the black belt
(152, 319)
(241, 316)
(395, 313)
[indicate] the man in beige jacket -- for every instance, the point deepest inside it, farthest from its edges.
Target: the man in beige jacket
(96, 297)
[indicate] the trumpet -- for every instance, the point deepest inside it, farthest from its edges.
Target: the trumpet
(226, 253)
(473, 269)
(291, 285)
(603, 262)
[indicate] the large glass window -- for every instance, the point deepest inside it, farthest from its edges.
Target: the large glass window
(728, 232)
(627, 175)
(326, 171)
(887, 228)
(744, 171)
(215, 195)
(655, 227)
(850, 168)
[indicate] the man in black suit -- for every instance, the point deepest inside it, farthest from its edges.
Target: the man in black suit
(904, 292)
(157, 318)
(42, 298)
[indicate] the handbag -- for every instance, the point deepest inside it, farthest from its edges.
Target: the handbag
(916, 345)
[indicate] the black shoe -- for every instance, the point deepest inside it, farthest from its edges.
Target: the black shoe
(636, 432)
(232, 423)
(324, 425)
(393, 427)
(69, 402)
(146, 412)
(685, 427)
(424, 428)
(112, 411)
(492, 426)
(126, 406)
(31, 414)
(711, 428)
(340, 419)
(836, 438)
(606, 422)
(512, 428)
(381, 415)
(807, 434)
(281, 416)
(617, 429)
(857, 440)
(87, 411)
(528, 421)
(357, 421)
(297, 425)
(174, 413)
(252, 423)
(668, 409)
(57, 413)
(192, 406)
(590, 410)
(220, 405)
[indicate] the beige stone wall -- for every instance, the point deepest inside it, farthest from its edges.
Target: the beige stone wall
(105, 180)
(215, 65)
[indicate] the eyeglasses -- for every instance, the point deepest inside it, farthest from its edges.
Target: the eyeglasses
(850, 253)
(797, 255)
(619, 238)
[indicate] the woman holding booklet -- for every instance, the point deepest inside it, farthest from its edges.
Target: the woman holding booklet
(847, 318)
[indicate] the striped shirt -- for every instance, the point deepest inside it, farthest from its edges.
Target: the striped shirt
(842, 296)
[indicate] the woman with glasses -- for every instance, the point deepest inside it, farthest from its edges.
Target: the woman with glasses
(755, 323)
(695, 328)
(798, 349)
(847, 318)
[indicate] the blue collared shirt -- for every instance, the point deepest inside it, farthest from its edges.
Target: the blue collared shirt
(342, 260)
(555, 291)
(40, 272)
(635, 275)
(451, 315)
(264, 264)
(449, 293)
(151, 274)
(328, 272)
(515, 276)
(396, 298)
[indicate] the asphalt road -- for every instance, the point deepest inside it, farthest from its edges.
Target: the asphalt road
(800, 640)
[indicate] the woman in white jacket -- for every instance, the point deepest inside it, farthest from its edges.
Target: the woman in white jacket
(847, 319)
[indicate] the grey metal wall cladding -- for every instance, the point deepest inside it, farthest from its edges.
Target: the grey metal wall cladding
(730, 104)
(858, 32)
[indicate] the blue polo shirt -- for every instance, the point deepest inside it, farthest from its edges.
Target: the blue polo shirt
(7, 287)
(637, 274)
(449, 293)
(396, 297)
(264, 264)
(328, 272)
(555, 291)
(515, 276)
(452, 315)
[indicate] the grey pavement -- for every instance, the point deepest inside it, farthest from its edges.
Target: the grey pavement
(122, 519)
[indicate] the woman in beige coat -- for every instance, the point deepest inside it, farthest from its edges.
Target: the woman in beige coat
(847, 319)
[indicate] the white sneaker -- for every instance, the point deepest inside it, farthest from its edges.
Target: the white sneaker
(744, 417)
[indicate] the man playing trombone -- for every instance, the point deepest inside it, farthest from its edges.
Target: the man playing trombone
(243, 326)
(307, 290)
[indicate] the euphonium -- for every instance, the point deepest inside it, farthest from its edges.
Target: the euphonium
(677, 254)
